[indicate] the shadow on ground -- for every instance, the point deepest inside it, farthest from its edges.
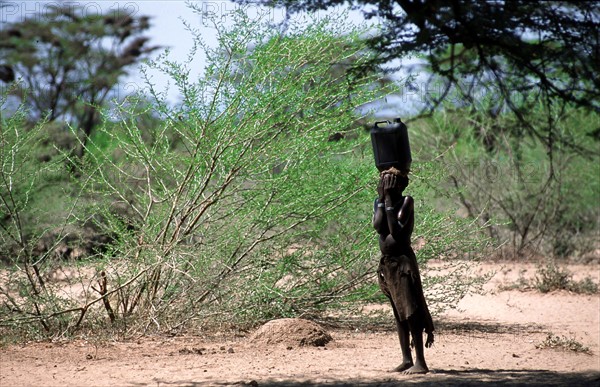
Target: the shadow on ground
(463, 378)
(460, 327)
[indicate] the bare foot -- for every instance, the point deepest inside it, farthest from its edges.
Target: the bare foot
(403, 367)
(416, 369)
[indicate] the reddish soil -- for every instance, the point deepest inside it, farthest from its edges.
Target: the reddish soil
(492, 339)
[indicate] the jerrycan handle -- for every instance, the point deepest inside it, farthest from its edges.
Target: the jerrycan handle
(397, 120)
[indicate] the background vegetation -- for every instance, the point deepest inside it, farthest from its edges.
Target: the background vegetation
(251, 199)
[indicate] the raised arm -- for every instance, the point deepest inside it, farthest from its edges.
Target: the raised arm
(397, 219)
(406, 211)
(379, 218)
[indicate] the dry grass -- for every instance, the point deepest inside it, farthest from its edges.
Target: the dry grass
(564, 343)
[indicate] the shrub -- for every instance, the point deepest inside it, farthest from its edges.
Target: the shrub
(238, 209)
(551, 277)
(564, 343)
(530, 198)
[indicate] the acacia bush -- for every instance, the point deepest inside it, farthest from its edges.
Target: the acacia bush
(237, 208)
(532, 199)
(35, 219)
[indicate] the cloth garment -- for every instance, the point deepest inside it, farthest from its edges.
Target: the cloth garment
(400, 281)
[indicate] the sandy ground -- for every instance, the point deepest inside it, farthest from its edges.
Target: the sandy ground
(490, 340)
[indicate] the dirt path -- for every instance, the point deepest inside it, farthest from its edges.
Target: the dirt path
(491, 340)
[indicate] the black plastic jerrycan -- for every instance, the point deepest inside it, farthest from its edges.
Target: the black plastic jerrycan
(390, 145)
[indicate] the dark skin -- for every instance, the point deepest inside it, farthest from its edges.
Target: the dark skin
(394, 222)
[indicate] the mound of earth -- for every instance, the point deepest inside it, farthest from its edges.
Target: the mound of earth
(291, 332)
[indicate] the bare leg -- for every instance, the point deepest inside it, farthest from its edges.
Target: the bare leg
(403, 334)
(416, 330)
(388, 282)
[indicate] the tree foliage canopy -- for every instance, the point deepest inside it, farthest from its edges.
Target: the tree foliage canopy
(520, 50)
(69, 60)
